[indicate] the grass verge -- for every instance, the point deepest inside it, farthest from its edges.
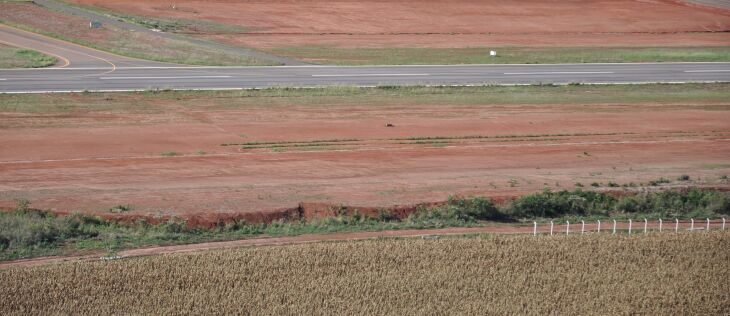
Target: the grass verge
(27, 232)
(505, 55)
(716, 94)
(11, 57)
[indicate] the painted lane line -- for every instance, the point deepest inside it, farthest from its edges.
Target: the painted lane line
(717, 70)
(371, 75)
(559, 73)
(3, 79)
(176, 77)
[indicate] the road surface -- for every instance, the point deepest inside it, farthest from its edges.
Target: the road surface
(86, 69)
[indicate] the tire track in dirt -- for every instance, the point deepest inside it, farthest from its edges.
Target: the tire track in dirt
(16, 162)
(543, 229)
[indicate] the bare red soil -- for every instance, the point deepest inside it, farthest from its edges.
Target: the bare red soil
(432, 23)
(93, 161)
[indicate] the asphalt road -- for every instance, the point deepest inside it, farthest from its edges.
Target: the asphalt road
(86, 69)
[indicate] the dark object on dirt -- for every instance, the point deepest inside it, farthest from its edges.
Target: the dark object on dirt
(389, 125)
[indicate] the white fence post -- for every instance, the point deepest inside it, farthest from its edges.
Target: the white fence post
(534, 229)
(599, 225)
(723, 223)
(692, 226)
(660, 225)
(630, 226)
(708, 225)
(567, 227)
(645, 224)
(582, 227)
(676, 225)
(614, 227)
(551, 228)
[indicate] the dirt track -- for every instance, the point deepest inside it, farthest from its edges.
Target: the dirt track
(543, 229)
(463, 23)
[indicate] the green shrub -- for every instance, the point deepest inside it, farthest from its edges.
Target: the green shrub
(32, 228)
(555, 204)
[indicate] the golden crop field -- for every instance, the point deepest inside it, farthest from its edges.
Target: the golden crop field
(656, 274)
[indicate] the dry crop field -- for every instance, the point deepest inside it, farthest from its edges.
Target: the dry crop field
(667, 274)
(178, 153)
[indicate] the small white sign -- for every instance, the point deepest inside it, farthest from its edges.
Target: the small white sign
(493, 53)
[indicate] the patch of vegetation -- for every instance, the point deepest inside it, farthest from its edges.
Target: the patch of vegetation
(170, 154)
(121, 209)
(659, 182)
(505, 55)
(11, 57)
(28, 232)
(325, 97)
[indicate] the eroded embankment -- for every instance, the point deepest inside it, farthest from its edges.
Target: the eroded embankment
(306, 211)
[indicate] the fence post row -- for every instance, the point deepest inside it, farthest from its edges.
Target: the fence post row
(646, 226)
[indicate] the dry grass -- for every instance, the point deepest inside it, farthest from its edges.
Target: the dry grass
(664, 274)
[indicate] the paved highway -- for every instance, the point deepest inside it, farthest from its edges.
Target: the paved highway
(85, 69)
(145, 78)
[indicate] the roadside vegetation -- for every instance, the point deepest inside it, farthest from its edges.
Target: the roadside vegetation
(28, 232)
(505, 55)
(654, 274)
(12, 57)
(30, 17)
(714, 96)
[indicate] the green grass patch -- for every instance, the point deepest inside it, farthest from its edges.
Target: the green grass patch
(505, 55)
(11, 57)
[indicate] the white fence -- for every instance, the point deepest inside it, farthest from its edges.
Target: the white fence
(646, 226)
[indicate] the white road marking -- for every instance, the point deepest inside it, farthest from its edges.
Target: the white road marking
(371, 75)
(176, 77)
(3, 79)
(717, 70)
(559, 73)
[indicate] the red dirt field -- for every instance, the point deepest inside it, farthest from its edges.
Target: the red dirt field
(93, 161)
(461, 23)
